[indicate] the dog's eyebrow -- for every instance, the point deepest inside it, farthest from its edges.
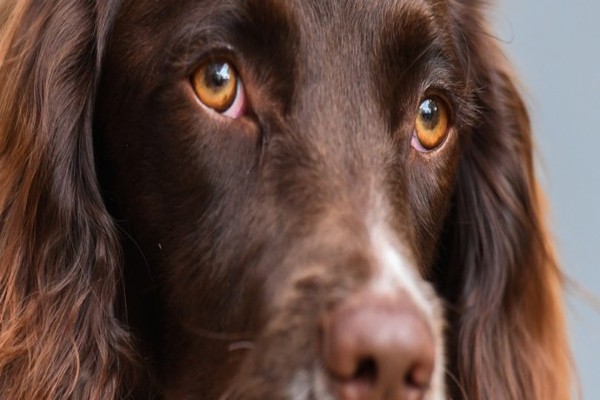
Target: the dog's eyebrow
(268, 29)
(260, 28)
(409, 36)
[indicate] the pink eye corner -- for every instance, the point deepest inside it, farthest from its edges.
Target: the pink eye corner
(219, 88)
(238, 107)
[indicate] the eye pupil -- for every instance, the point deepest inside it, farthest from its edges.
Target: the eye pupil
(430, 115)
(217, 75)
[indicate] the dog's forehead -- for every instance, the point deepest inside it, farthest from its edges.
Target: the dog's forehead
(309, 18)
(319, 20)
(353, 26)
(306, 28)
(359, 32)
(364, 14)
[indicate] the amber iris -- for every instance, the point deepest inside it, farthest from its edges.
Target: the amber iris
(431, 125)
(216, 84)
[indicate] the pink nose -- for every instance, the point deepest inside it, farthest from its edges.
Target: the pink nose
(378, 349)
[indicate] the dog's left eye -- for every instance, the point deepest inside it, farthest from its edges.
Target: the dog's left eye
(431, 125)
(218, 87)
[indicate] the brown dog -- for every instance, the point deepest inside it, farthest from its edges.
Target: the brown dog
(269, 199)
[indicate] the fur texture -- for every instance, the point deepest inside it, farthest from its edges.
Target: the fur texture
(150, 249)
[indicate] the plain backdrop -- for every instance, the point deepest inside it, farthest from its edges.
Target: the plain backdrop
(555, 48)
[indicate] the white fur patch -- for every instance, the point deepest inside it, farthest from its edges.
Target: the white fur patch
(394, 270)
(394, 274)
(311, 384)
(299, 388)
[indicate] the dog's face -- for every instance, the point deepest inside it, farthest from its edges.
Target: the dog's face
(269, 199)
(283, 170)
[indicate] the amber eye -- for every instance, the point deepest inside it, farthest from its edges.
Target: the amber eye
(431, 125)
(217, 85)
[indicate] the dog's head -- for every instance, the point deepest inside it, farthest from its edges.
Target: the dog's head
(329, 199)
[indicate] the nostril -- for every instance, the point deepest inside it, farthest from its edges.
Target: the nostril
(418, 378)
(366, 371)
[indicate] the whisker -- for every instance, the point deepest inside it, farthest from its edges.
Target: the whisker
(457, 382)
(240, 345)
(219, 336)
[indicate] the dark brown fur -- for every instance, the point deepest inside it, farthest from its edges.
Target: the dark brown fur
(149, 250)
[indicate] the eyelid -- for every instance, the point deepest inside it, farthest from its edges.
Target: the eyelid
(443, 93)
(215, 52)
(458, 94)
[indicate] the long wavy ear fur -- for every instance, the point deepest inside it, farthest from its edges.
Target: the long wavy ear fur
(59, 269)
(503, 282)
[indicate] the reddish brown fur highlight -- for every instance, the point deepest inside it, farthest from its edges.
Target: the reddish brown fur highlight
(59, 337)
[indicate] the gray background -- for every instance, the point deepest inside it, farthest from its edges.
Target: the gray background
(554, 46)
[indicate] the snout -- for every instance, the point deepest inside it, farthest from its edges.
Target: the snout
(375, 347)
(358, 322)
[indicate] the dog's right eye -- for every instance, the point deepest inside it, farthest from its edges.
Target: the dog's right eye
(219, 88)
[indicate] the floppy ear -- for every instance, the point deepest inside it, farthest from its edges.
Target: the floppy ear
(502, 280)
(59, 265)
